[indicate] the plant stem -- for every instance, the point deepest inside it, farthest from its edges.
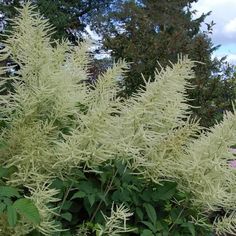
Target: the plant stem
(108, 188)
(172, 226)
(65, 197)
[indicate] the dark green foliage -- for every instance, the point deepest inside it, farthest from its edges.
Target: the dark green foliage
(146, 31)
(68, 17)
(26, 208)
(13, 204)
(158, 209)
(11, 215)
(214, 88)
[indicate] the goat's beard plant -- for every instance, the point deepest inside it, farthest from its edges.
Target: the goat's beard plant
(54, 123)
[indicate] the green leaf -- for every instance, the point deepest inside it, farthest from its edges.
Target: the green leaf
(88, 207)
(122, 196)
(79, 194)
(102, 196)
(26, 208)
(11, 216)
(139, 213)
(67, 216)
(147, 232)
(6, 172)
(121, 168)
(79, 173)
(91, 199)
(159, 226)
(146, 196)
(151, 212)
(6, 191)
(58, 184)
(190, 227)
(66, 205)
(7, 201)
(3, 172)
(165, 233)
(164, 192)
(175, 215)
(2, 207)
(87, 187)
(150, 226)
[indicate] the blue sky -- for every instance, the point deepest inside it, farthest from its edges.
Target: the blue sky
(224, 32)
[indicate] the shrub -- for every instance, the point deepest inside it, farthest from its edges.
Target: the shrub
(69, 152)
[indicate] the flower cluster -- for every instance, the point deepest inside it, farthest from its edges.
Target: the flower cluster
(53, 123)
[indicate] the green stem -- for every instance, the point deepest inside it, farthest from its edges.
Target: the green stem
(65, 197)
(174, 223)
(108, 188)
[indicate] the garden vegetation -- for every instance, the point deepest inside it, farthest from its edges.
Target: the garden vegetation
(76, 159)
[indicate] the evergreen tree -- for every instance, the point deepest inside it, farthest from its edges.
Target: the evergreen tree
(147, 31)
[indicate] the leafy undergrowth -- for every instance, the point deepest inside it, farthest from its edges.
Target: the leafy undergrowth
(85, 201)
(157, 209)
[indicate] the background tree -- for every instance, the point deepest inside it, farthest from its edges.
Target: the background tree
(69, 18)
(147, 31)
(214, 86)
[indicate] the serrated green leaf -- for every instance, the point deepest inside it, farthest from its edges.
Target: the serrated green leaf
(26, 208)
(79, 194)
(151, 212)
(67, 216)
(11, 216)
(6, 191)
